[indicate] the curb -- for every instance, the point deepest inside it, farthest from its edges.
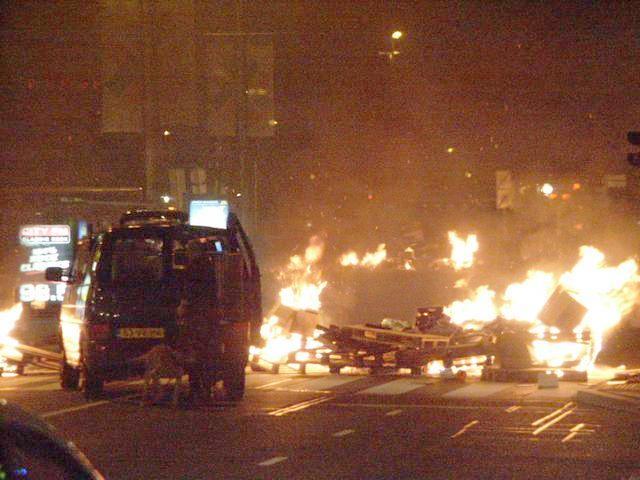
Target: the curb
(611, 401)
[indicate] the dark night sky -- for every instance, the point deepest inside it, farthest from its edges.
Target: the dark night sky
(549, 83)
(539, 86)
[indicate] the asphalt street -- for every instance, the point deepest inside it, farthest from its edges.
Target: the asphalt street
(342, 426)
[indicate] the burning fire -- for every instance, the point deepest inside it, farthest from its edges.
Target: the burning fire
(369, 260)
(302, 293)
(607, 293)
(8, 319)
(304, 279)
(462, 251)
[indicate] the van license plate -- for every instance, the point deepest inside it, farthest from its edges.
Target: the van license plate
(141, 333)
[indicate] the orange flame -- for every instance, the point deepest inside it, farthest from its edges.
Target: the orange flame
(369, 259)
(462, 251)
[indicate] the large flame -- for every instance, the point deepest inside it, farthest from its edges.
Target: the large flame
(369, 259)
(8, 319)
(607, 292)
(474, 311)
(304, 286)
(462, 251)
(524, 301)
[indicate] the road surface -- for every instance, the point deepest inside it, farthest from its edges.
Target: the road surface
(343, 426)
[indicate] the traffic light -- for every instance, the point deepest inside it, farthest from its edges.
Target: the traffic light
(634, 157)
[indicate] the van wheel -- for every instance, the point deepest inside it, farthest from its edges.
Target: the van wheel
(90, 384)
(69, 376)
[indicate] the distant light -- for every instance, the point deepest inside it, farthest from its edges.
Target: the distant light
(566, 196)
(450, 150)
(166, 133)
(273, 122)
(238, 194)
(166, 198)
(397, 35)
(468, 174)
(576, 186)
(546, 189)
(553, 196)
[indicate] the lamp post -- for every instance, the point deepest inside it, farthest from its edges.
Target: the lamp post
(393, 52)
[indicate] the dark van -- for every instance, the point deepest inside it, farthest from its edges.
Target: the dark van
(125, 286)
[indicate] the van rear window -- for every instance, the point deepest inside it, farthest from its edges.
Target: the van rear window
(136, 259)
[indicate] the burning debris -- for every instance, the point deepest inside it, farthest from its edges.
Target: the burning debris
(369, 260)
(290, 327)
(8, 319)
(548, 320)
(462, 251)
(567, 315)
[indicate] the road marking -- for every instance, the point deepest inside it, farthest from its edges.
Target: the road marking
(478, 390)
(513, 408)
(573, 432)
(272, 461)
(552, 422)
(396, 405)
(552, 414)
(300, 406)
(393, 413)
(326, 383)
(395, 387)
(85, 406)
(271, 384)
(465, 428)
(343, 433)
(73, 409)
(578, 427)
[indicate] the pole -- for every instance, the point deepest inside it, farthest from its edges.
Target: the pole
(150, 104)
(241, 109)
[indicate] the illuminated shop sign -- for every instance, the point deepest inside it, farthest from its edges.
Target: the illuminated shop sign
(31, 235)
(46, 246)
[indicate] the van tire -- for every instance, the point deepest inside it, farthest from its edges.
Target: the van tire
(91, 384)
(69, 376)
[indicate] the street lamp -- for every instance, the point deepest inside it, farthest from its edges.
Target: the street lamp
(390, 54)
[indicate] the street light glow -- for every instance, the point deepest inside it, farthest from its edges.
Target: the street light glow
(397, 35)
(546, 189)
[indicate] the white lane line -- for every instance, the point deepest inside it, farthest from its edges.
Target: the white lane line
(513, 408)
(85, 406)
(578, 427)
(552, 422)
(272, 461)
(552, 414)
(73, 409)
(465, 428)
(393, 413)
(478, 390)
(300, 406)
(574, 431)
(326, 383)
(430, 406)
(343, 433)
(271, 384)
(395, 387)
